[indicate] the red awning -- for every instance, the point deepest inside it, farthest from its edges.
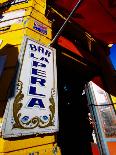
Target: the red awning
(98, 17)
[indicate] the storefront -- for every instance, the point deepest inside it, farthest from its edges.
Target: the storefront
(54, 96)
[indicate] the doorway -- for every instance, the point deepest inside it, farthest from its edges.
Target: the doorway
(75, 131)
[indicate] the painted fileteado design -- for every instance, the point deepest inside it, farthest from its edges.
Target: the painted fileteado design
(33, 108)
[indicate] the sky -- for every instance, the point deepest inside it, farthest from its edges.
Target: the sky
(113, 55)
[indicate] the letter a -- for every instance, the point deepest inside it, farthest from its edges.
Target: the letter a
(36, 102)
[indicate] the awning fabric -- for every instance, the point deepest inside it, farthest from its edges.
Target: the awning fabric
(98, 17)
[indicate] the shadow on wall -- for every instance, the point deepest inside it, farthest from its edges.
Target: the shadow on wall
(5, 5)
(8, 67)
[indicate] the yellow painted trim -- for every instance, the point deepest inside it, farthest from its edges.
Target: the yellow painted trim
(114, 100)
(28, 22)
(74, 58)
(49, 149)
(59, 14)
(39, 5)
(12, 145)
(10, 37)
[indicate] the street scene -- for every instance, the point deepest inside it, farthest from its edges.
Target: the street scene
(57, 77)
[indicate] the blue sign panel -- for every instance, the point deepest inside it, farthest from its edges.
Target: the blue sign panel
(40, 27)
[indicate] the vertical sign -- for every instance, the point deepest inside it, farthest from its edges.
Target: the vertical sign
(33, 108)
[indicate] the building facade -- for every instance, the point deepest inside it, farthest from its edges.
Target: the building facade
(77, 69)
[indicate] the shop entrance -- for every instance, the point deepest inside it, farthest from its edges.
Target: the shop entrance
(75, 131)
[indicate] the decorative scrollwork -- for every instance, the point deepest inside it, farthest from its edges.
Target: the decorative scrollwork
(17, 105)
(52, 110)
(35, 121)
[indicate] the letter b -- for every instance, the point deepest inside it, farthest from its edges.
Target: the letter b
(33, 47)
